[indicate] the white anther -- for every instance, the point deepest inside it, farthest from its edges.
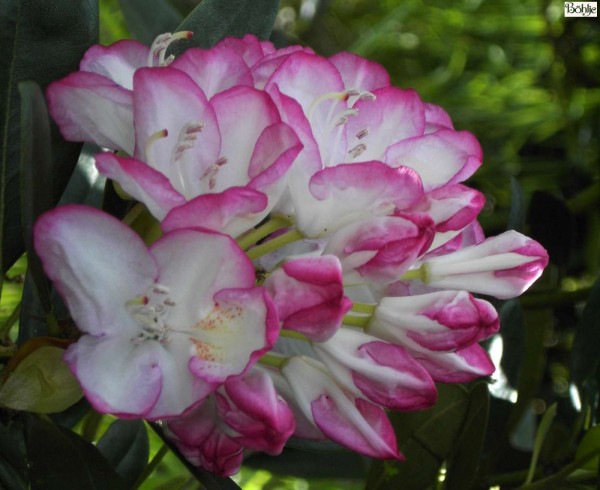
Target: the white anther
(160, 289)
(365, 95)
(345, 115)
(358, 150)
(160, 45)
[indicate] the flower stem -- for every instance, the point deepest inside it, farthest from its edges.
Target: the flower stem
(272, 245)
(420, 273)
(273, 360)
(152, 465)
(357, 321)
(10, 321)
(367, 308)
(292, 334)
(253, 236)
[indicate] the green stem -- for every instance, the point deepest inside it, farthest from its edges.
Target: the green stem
(272, 245)
(420, 274)
(551, 480)
(554, 298)
(585, 199)
(292, 334)
(253, 236)
(357, 321)
(91, 426)
(273, 360)
(152, 465)
(369, 309)
(10, 321)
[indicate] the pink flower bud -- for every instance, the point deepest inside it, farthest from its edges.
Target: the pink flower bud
(309, 295)
(381, 371)
(352, 422)
(503, 266)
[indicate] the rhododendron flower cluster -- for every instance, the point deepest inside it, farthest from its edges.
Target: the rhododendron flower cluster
(318, 258)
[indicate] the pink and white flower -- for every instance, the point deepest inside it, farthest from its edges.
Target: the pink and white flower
(163, 327)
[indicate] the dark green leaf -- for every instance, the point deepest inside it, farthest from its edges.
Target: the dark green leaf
(213, 20)
(553, 225)
(61, 460)
(125, 446)
(516, 217)
(463, 464)
(13, 467)
(426, 438)
(586, 345)
(512, 332)
(41, 40)
(148, 18)
(36, 173)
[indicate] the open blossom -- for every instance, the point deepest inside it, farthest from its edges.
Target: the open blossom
(158, 335)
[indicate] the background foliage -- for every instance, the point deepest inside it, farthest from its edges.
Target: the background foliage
(516, 73)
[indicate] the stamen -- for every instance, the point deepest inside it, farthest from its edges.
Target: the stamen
(154, 137)
(187, 138)
(362, 133)
(151, 314)
(322, 98)
(345, 115)
(160, 45)
(366, 95)
(358, 150)
(212, 172)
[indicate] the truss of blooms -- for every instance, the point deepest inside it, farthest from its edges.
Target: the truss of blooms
(318, 258)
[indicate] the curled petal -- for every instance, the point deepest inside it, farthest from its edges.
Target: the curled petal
(89, 107)
(440, 158)
(140, 181)
(117, 62)
(232, 211)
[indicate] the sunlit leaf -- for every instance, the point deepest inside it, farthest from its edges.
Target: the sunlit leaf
(38, 380)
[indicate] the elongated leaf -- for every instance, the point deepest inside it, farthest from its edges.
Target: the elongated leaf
(125, 446)
(586, 345)
(13, 466)
(213, 20)
(61, 460)
(462, 466)
(36, 173)
(147, 18)
(516, 217)
(41, 40)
